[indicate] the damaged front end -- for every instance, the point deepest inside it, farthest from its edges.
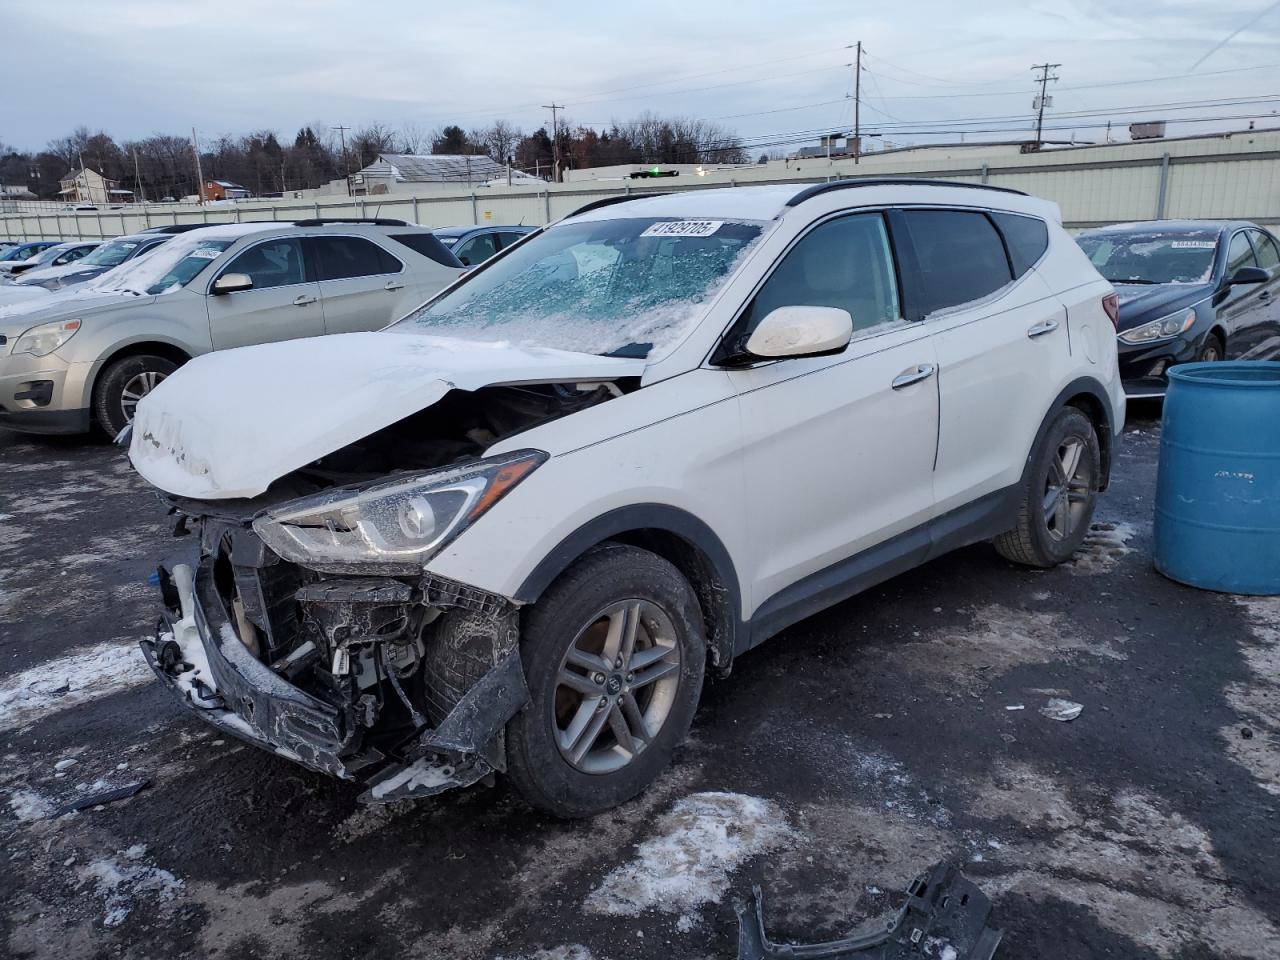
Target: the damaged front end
(310, 628)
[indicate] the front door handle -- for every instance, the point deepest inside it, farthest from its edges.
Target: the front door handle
(302, 300)
(1040, 329)
(393, 285)
(913, 375)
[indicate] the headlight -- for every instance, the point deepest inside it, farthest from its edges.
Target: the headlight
(1161, 329)
(43, 340)
(393, 527)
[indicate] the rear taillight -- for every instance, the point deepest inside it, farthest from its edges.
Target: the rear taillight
(1111, 306)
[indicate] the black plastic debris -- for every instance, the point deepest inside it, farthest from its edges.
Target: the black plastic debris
(105, 796)
(945, 918)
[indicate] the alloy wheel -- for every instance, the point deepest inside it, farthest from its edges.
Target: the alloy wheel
(615, 686)
(1068, 489)
(137, 387)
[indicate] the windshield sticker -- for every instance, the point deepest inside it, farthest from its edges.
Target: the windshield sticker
(1193, 244)
(683, 228)
(204, 253)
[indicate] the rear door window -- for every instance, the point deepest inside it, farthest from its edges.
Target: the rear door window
(340, 258)
(960, 256)
(1026, 239)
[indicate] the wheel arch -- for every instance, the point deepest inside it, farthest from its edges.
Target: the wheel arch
(1089, 397)
(678, 537)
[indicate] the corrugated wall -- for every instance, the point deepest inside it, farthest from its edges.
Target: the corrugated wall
(1230, 176)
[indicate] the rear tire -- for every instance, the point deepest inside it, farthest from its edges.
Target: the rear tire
(122, 385)
(606, 714)
(1060, 492)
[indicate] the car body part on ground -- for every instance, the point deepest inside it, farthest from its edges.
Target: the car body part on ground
(1188, 290)
(537, 504)
(96, 798)
(946, 917)
(74, 360)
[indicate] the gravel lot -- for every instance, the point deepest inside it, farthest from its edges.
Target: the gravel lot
(837, 761)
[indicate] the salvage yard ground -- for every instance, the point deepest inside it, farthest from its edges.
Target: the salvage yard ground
(840, 759)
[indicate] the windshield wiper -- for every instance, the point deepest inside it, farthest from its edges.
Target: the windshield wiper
(1130, 280)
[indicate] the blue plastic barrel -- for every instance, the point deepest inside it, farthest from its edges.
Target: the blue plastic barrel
(1217, 523)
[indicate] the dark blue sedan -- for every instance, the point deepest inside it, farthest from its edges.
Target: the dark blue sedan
(1188, 290)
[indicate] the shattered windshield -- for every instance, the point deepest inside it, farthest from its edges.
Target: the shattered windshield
(169, 268)
(1152, 256)
(623, 287)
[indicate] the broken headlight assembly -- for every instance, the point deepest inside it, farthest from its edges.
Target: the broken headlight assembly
(42, 340)
(393, 527)
(1161, 329)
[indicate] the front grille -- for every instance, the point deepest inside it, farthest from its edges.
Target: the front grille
(265, 589)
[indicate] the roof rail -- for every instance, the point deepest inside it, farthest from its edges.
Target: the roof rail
(610, 201)
(820, 188)
(376, 221)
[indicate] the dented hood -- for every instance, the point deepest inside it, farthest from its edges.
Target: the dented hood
(229, 423)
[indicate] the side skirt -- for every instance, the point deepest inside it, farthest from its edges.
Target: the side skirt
(984, 518)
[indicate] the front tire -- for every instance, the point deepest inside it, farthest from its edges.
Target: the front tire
(614, 654)
(1060, 492)
(122, 385)
(1211, 350)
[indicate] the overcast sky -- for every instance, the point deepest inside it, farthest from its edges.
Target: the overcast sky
(772, 71)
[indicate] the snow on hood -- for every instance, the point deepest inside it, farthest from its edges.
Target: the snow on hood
(11, 293)
(229, 423)
(74, 301)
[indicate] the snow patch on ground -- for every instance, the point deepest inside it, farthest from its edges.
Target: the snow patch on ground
(82, 675)
(1104, 546)
(572, 951)
(1257, 700)
(704, 838)
(120, 886)
(29, 805)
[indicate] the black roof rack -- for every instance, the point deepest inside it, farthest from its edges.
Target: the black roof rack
(610, 201)
(376, 221)
(820, 188)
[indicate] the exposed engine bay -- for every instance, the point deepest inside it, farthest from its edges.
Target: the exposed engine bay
(403, 682)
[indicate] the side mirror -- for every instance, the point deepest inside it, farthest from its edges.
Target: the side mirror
(232, 283)
(801, 332)
(1248, 275)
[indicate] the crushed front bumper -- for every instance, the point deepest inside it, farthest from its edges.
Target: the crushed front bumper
(200, 657)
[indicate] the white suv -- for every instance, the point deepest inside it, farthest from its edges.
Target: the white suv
(511, 531)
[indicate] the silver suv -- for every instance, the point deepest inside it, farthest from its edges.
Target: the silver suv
(91, 353)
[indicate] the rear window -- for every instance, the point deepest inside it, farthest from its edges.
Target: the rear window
(1026, 238)
(428, 246)
(960, 255)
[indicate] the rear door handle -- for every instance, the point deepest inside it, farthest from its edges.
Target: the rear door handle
(393, 285)
(302, 300)
(1040, 329)
(913, 375)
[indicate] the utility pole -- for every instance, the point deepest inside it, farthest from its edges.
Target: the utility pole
(555, 140)
(857, 104)
(84, 178)
(1042, 101)
(346, 164)
(137, 177)
(195, 145)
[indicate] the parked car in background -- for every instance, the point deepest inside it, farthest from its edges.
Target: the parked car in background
(475, 245)
(21, 252)
(91, 353)
(55, 256)
(511, 531)
(1188, 290)
(97, 262)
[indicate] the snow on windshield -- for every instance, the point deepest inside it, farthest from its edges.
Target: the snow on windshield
(1152, 257)
(631, 287)
(175, 263)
